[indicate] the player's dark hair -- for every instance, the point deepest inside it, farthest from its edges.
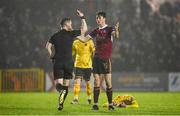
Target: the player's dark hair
(64, 20)
(103, 14)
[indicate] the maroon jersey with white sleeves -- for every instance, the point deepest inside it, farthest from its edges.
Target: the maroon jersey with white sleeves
(103, 42)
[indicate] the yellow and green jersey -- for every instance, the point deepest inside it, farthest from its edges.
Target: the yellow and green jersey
(83, 52)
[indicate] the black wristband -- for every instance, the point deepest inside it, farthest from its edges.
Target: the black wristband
(83, 17)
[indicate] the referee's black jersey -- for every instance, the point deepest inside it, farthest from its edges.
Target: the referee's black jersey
(62, 42)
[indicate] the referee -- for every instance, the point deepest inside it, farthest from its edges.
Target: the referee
(62, 60)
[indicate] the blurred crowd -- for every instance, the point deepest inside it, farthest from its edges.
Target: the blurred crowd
(149, 40)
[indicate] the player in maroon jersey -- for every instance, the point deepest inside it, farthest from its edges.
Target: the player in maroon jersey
(102, 58)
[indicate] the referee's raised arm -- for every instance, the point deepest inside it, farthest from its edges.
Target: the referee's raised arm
(83, 22)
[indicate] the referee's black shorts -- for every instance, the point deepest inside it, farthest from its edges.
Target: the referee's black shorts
(101, 66)
(62, 70)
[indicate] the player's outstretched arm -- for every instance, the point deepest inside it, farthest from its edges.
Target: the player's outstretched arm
(115, 33)
(48, 47)
(83, 22)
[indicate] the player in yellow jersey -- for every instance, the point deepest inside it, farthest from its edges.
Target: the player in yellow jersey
(83, 51)
(124, 101)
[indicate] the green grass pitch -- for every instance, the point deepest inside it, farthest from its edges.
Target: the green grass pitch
(151, 103)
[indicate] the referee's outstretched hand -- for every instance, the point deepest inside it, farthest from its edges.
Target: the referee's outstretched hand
(79, 13)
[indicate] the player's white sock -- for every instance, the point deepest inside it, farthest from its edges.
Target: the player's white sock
(96, 104)
(89, 97)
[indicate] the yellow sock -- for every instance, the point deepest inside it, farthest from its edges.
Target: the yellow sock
(76, 90)
(88, 90)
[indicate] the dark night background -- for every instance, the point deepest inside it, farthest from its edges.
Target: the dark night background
(149, 40)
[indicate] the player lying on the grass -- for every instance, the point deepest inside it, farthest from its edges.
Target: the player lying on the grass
(124, 101)
(83, 50)
(102, 58)
(62, 60)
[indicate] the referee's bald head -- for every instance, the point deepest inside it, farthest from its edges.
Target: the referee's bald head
(64, 21)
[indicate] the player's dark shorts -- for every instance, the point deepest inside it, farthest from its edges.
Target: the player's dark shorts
(101, 66)
(62, 69)
(83, 72)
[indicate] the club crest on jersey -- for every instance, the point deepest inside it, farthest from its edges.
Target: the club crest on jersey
(104, 31)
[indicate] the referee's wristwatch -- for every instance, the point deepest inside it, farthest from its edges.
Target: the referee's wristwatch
(83, 17)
